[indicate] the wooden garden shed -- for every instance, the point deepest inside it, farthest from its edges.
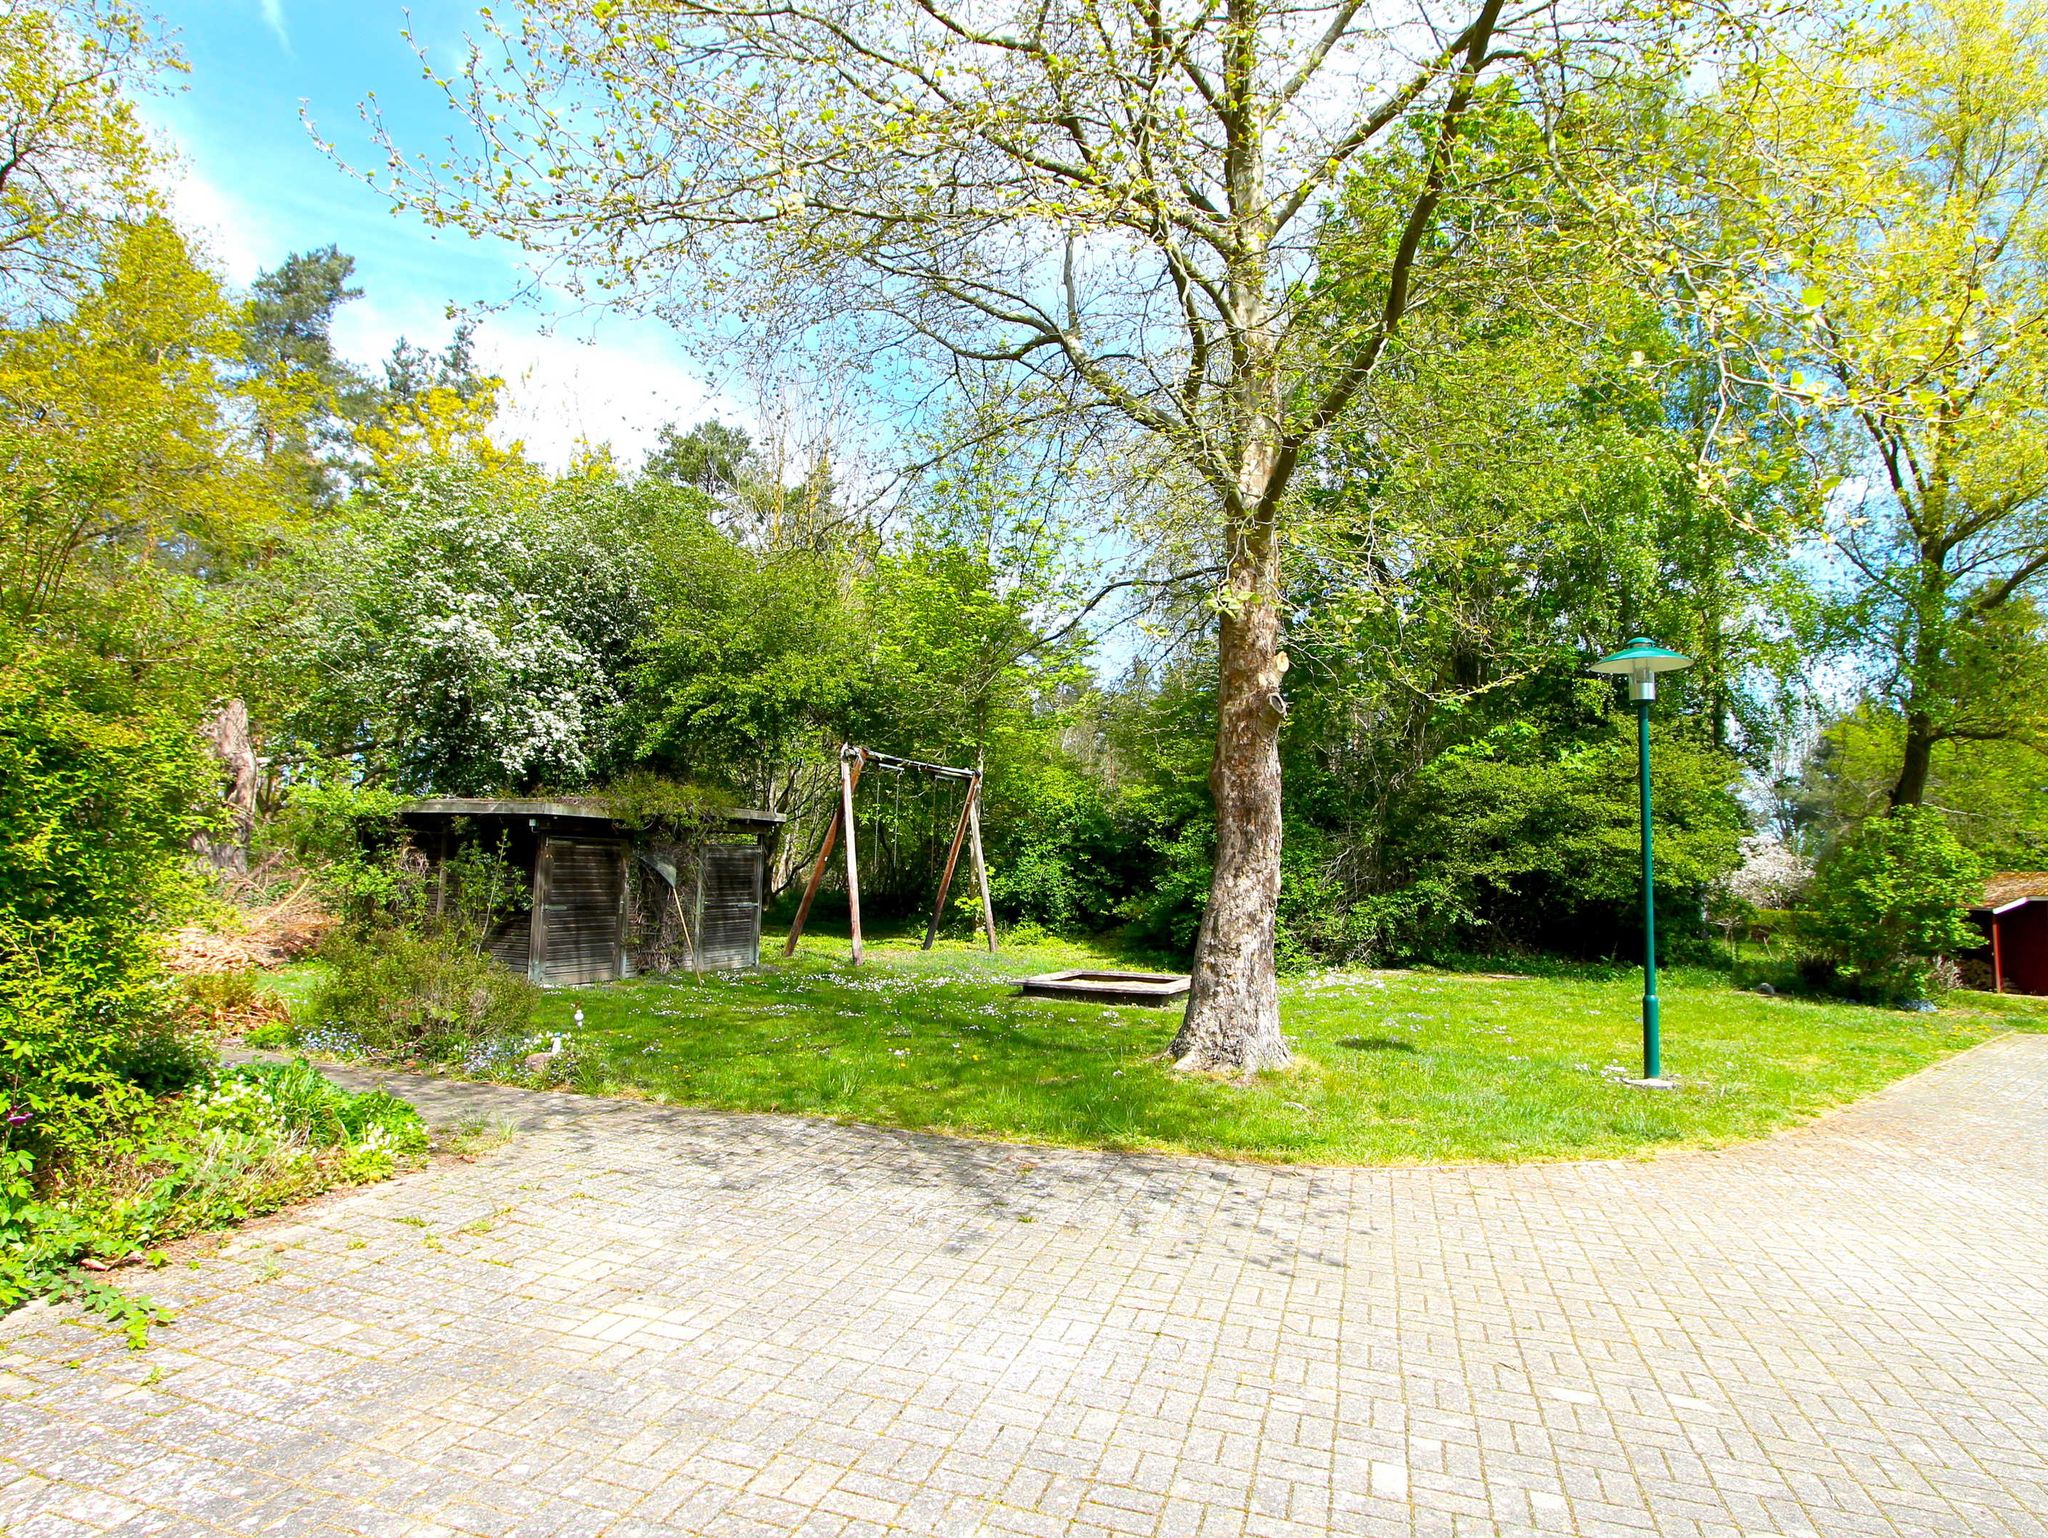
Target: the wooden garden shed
(2014, 920)
(605, 901)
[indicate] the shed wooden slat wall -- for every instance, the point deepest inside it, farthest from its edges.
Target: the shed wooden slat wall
(603, 905)
(582, 902)
(729, 915)
(510, 942)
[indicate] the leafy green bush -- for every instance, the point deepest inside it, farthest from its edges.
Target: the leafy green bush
(271, 1033)
(220, 994)
(118, 1128)
(382, 886)
(395, 994)
(238, 1142)
(1518, 841)
(1062, 861)
(1166, 911)
(407, 975)
(350, 836)
(100, 794)
(1890, 898)
(1315, 925)
(165, 1056)
(641, 799)
(1072, 853)
(67, 1015)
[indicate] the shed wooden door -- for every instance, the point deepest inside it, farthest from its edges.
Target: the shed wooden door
(729, 922)
(582, 903)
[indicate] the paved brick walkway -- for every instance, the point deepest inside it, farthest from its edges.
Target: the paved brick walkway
(636, 1321)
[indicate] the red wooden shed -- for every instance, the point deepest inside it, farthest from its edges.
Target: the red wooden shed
(2014, 919)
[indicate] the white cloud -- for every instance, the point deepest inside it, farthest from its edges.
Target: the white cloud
(562, 391)
(273, 18)
(226, 229)
(366, 328)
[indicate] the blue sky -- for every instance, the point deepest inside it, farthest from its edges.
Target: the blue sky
(255, 187)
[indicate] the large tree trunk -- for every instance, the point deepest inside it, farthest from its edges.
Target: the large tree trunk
(1233, 1014)
(227, 736)
(1911, 788)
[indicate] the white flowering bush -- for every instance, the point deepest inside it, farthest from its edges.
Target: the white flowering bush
(231, 1102)
(475, 626)
(1772, 876)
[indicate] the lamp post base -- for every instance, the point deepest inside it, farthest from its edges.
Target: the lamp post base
(1651, 1083)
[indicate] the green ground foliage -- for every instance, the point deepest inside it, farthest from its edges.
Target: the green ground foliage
(227, 1144)
(411, 997)
(1393, 1066)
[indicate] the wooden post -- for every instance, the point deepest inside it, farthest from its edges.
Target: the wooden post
(848, 773)
(675, 898)
(988, 912)
(1997, 959)
(803, 909)
(931, 932)
(622, 931)
(699, 859)
(537, 935)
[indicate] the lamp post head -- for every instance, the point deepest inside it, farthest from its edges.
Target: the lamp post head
(1640, 662)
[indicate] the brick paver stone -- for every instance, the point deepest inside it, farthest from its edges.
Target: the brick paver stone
(635, 1320)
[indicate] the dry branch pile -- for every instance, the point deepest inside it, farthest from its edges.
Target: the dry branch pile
(264, 938)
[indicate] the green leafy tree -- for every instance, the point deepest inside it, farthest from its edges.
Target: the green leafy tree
(1112, 211)
(132, 482)
(750, 497)
(101, 791)
(310, 397)
(1900, 206)
(1551, 478)
(433, 406)
(759, 661)
(413, 371)
(749, 672)
(1891, 897)
(1521, 841)
(1994, 794)
(78, 163)
(711, 457)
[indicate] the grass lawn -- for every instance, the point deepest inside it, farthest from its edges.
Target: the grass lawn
(1392, 1067)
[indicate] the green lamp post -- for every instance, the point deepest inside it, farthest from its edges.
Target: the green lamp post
(1640, 662)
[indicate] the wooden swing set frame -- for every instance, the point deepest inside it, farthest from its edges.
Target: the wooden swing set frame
(852, 760)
